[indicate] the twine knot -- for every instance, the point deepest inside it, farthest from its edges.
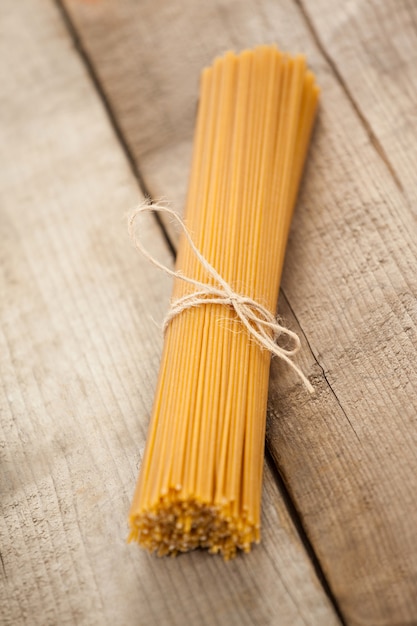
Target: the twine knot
(259, 322)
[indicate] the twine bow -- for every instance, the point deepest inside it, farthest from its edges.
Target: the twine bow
(260, 323)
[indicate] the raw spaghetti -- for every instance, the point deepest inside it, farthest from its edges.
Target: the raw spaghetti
(201, 476)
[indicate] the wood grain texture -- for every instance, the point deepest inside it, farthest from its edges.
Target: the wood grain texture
(373, 48)
(348, 455)
(79, 357)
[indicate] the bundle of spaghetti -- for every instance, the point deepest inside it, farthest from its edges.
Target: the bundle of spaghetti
(201, 477)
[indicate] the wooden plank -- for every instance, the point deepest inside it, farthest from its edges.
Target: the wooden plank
(80, 352)
(372, 47)
(348, 454)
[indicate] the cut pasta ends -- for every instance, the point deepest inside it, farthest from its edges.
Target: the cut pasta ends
(175, 525)
(200, 481)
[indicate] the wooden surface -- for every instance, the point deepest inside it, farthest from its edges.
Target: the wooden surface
(80, 353)
(80, 350)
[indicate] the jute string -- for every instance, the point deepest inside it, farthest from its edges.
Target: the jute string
(259, 322)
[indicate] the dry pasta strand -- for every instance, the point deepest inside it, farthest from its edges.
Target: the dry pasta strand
(201, 476)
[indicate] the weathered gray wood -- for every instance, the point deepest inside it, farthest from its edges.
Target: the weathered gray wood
(372, 46)
(348, 454)
(79, 357)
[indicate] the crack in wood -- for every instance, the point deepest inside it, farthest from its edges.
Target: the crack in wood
(320, 366)
(2, 566)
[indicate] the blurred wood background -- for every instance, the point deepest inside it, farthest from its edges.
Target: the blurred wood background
(97, 108)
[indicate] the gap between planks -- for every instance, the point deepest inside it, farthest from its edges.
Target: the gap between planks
(361, 116)
(296, 518)
(112, 117)
(285, 493)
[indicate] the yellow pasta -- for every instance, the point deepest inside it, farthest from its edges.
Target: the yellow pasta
(201, 476)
